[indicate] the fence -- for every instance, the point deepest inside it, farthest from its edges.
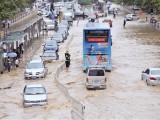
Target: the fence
(77, 111)
(16, 18)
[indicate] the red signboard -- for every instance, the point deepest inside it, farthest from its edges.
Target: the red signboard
(96, 40)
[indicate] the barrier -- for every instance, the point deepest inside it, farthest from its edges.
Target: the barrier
(76, 116)
(77, 113)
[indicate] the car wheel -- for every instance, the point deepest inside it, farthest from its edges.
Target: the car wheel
(24, 105)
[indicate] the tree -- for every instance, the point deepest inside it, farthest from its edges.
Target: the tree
(8, 8)
(84, 2)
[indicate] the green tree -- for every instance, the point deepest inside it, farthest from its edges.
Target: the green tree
(84, 2)
(8, 8)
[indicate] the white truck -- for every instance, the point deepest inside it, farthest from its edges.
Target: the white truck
(96, 78)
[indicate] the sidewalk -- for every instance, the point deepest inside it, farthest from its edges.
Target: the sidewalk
(18, 23)
(7, 79)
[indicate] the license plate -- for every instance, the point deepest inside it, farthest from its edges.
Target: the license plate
(96, 83)
(34, 77)
(35, 105)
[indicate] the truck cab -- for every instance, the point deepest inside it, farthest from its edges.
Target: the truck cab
(96, 78)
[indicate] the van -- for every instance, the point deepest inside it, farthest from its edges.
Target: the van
(96, 78)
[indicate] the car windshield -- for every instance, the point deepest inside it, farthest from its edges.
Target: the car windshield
(96, 73)
(35, 65)
(49, 54)
(155, 72)
(50, 44)
(34, 90)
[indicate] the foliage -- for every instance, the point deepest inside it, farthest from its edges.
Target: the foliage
(8, 8)
(144, 4)
(84, 2)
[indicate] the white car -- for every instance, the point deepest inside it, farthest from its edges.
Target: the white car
(130, 17)
(48, 24)
(34, 95)
(151, 76)
(35, 69)
(43, 12)
(96, 78)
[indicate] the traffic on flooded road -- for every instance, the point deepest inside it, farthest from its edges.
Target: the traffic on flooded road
(126, 88)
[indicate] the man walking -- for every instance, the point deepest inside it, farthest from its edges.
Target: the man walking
(124, 23)
(67, 56)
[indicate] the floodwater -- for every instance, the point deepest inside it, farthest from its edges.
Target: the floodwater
(135, 48)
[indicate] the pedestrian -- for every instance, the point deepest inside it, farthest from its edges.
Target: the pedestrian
(114, 14)
(67, 56)
(146, 18)
(17, 62)
(77, 21)
(83, 16)
(21, 48)
(124, 23)
(9, 64)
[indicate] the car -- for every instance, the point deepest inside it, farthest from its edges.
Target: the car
(50, 56)
(130, 17)
(151, 76)
(27, 10)
(34, 95)
(35, 69)
(58, 37)
(51, 45)
(65, 29)
(48, 24)
(63, 32)
(61, 25)
(108, 4)
(111, 10)
(135, 8)
(69, 16)
(65, 22)
(42, 12)
(107, 20)
(96, 77)
(79, 14)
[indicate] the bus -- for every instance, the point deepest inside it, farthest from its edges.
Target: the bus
(97, 46)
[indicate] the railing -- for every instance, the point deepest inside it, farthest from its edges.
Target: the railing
(77, 111)
(17, 18)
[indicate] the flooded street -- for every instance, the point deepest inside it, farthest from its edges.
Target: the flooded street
(135, 48)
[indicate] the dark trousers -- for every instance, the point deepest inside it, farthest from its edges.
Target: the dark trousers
(67, 63)
(9, 67)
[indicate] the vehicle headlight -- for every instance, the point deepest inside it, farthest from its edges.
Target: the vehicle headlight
(26, 72)
(44, 100)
